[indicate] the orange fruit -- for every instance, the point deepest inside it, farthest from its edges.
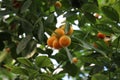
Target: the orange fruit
(56, 44)
(50, 41)
(8, 50)
(96, 15)
(107, 40)
(95, 45)
(58, 32)
(74, 60)
(70, 30)
(16, 4)
(65, 41)
(58, 4)
(101, 35)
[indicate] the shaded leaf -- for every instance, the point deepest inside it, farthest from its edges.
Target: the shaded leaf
(26, 5)
(21, 46)
(89, 7)
(50, 18)
(110, 13)
(99, 77)
(71, 69)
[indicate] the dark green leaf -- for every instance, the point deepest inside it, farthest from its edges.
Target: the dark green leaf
(29, 49)
(110, 13)
(22, 45)
(26, 5)
(41, 31)
(71, 69)
(3, 13)
(104, 28)
(90, 17)
(50, 18)
(90, 8)
(99, 77)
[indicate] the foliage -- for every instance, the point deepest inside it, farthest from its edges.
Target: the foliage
(25, 24)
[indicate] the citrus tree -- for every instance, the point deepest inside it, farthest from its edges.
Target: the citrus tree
(30, 39)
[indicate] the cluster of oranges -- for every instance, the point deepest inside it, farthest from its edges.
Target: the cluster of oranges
(60, 38)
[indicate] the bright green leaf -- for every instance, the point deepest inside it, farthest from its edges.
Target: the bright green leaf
(25, 61)
(43, 61)
(18, 70)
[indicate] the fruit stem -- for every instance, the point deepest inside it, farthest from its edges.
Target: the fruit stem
(68, 54)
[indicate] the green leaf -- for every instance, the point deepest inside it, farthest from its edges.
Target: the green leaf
(18, 70)
(29, 49)
(90, 17)
(99, 77)
(90, 8)
(43, 61)
(22, 45)
(67, 28)
(2, 13)
(110, 13)
(50, 18)
(25, 61)
(41, 31)
(71, 69)
(104, 28)
(26, 5)
(25, 24)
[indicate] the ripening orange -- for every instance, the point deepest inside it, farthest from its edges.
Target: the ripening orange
(56, 44)
(65, 41)
(50, 41)
(8, 50)
(101, 35)
(96, 15)
(58, 32)
(95, 45)
(107, 40)
(70, 30)
(74, 60)
(58, 4)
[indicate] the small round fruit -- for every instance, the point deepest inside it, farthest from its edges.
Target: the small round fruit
(50, 41)
(58, 4)
(96, 15)
(65, 41)
(74, 60)
(56, 44)
(95, 45)
(107, 40)
(16, 4)
(8, 50)
(58, 32)
(70, 30)
(101, 35)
